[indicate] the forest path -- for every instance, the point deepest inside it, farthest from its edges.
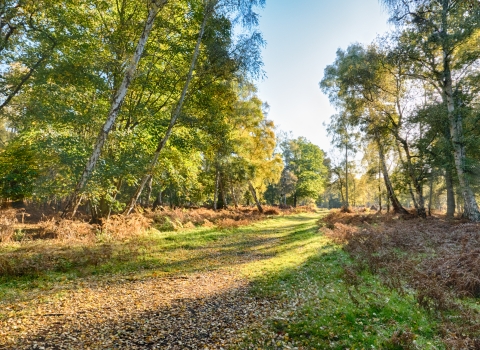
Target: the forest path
(191, 292)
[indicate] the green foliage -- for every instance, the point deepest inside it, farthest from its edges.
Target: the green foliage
(18, 172)
(82, 48)
(307, 173)
(322, 309)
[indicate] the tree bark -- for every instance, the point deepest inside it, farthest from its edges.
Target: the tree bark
(254, 194)
(418, 198)
(450, 193)
(149, 192)
(471, 210)
(215, 195)
(75, 198)
(234, 197)
(430, 196)
(379, 186)
(222, 193)
(158, 201)
(388, 204)
(397, 207)
(174, 117)
(346, 178)
(456, 129)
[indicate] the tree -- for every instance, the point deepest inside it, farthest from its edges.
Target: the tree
(18, 172)
(436, 31)
(306, 163)
(355, 83)
(118, 98)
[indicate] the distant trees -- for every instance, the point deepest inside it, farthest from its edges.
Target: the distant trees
(304, 176)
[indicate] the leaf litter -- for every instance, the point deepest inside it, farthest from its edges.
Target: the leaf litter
(210, 308)
(199, 311)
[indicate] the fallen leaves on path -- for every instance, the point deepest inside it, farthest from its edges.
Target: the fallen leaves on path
(195, 295)
(199, 311)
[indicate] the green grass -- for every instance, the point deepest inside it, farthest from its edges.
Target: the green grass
(286, 259)
(321, 310)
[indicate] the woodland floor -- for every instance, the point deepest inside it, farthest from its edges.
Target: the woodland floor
(360, 281)
(181, 290)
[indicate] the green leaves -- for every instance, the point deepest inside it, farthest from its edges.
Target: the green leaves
(306, 169)
(18, 172)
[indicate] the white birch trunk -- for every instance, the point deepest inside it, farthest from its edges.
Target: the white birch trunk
(255, 198)
(456, 126)
(173, 120)
(117, 101)
(457, 136)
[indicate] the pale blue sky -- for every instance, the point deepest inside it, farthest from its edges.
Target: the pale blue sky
(302, 39)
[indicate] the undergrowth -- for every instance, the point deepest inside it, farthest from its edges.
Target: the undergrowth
(362, 296)
(434, 261)
(123, 246)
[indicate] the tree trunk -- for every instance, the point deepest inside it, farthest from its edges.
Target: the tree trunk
(149, 192)
(456, 128)
(397, 207)
(215, 195)
(388, 205)
(354, 193)
(158, 200)
(76, 197)
(430, 196)
(346, 178)
(234, 197)
(450, 193)
(379, 187)
(93, 213)
(174, 117)
(222, 193)
(418, 200)
(412, 195)
(254, 194)
(103, 208)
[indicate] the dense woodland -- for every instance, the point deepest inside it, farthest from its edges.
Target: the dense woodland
(109, 104)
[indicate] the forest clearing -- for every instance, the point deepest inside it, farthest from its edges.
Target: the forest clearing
(152, 198)
(279, 283)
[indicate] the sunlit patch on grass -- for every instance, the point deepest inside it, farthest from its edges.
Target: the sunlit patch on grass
(318, 308)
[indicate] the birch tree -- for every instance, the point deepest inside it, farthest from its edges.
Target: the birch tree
(244, 10)
(154, 7)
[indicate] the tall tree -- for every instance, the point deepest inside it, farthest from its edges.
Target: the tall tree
(437, 29)
(356, 85)
(154, 7)
(306, 162)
